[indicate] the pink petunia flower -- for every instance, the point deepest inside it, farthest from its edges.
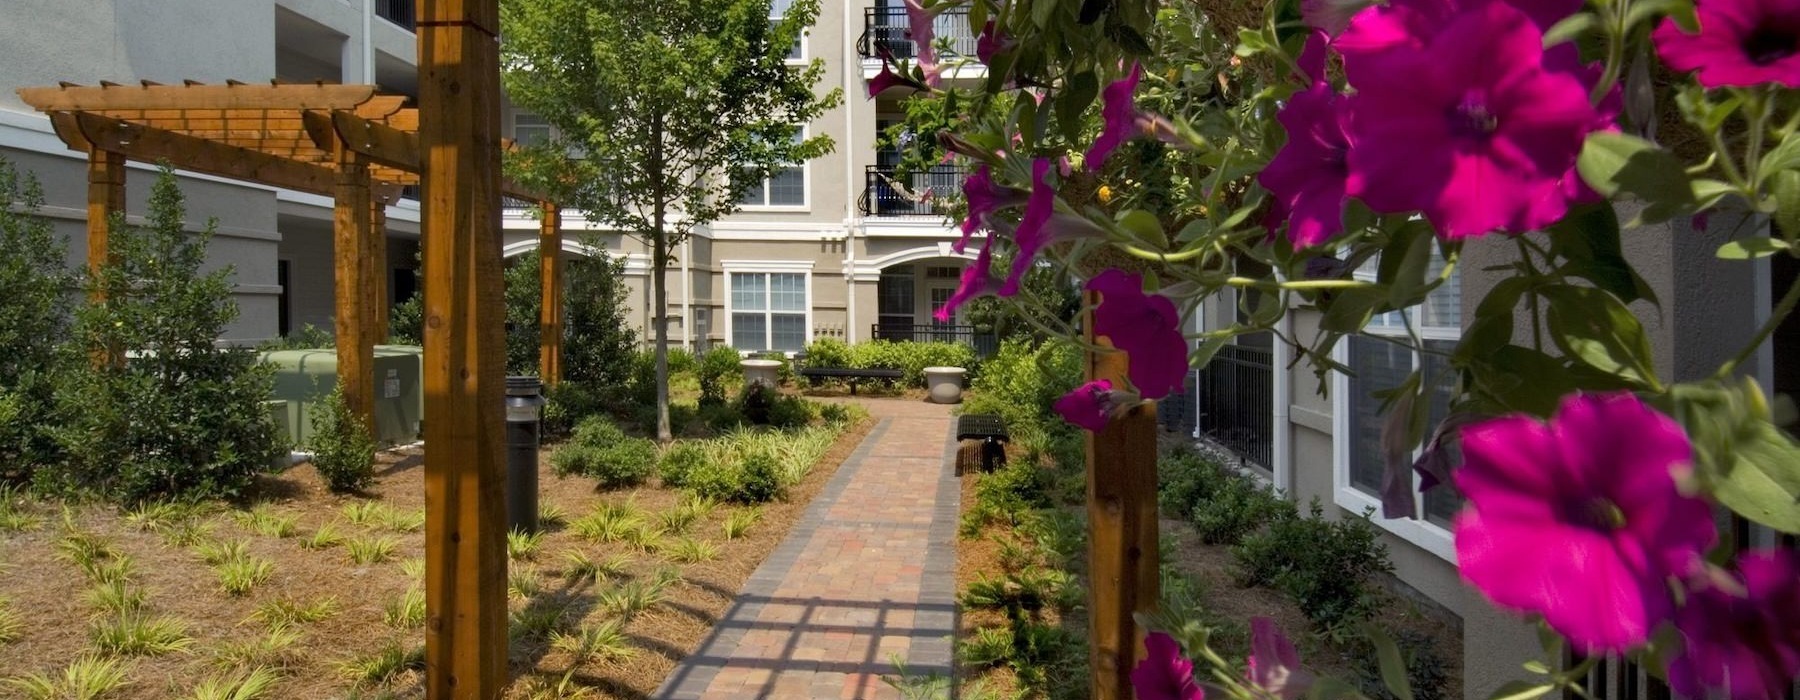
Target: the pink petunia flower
(1742, 43)
(1147, 327)
(1579, 519)
(1471, 130)
(1377, 28)
(1274, 663)
(977, 281)
(1119, 116)
(1741, 638)
(1030, 236)
(920, 28)
(888, 79)
(991, 43)
(1087, 406)
(1309, 175)
(984, 197)
(1165, 674)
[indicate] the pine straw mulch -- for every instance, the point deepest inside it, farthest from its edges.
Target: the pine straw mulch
(48, 593)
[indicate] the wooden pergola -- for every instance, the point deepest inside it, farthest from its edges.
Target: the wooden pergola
(347, 142)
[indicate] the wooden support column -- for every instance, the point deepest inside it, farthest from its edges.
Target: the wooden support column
(465, 509)
(1122, 537)
(550, 318)
(352, 210)
(380, 303)
(106, 197)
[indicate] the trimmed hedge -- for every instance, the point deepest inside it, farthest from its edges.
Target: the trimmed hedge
(911, 358)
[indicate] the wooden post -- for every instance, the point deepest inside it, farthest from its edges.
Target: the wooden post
(351, 212)
(550, 318)
(106, 197)
(1122, 537)
(465, 508)
(380, 305)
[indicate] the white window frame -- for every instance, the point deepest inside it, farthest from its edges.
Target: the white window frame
(764, 267)
(806, 183)
(513, 122)
(1420, 532)
(800, 45)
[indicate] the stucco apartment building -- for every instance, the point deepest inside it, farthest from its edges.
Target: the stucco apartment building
(836, 247)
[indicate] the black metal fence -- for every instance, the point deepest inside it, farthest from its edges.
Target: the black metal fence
(924, 193)
(887, 29)
(984, 344)
(399, 12)
(1230, 401)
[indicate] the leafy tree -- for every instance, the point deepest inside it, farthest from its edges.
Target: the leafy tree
(35, 283)
(675, 108)
(181, 417)
(598, 343)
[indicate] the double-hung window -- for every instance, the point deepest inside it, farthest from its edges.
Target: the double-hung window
(1382, 363)
(778, 10)
(785, 186)
(768, 311)
(530, 129)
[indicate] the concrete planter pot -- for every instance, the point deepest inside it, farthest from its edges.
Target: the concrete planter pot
(945, 383)
(764, 372)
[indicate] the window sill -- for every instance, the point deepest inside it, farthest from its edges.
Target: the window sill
(1419, 533)
(775, 208)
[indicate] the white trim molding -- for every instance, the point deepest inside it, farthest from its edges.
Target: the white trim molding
(636, 264)
(873, 266)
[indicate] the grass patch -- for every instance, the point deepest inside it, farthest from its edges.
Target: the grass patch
(523, 546)
(11, 626)
(274, 650)
(579, 566)
(362, 512)
(86, 678)
(252, 685)
(139, 635)
(265, 521)
(238, 576)
(117, 597)
(371, 550)
(739, 522)
(286, 612)
(384, 665)
(218, 552)
(689, 550)
(603, 642)
(325, 537)
(405, 612)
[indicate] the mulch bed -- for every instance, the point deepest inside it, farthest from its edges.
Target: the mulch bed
(48, 592)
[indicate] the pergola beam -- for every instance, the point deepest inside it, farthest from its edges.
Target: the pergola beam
(387, 145)
(465, 508)
(152, 145)
(77, 98)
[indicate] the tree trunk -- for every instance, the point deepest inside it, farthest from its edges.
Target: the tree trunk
(659, 294)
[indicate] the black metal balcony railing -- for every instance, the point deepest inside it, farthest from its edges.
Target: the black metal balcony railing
(1230, 401)
(888, 29)
(984, 344)
(400, 12)
(924, 193)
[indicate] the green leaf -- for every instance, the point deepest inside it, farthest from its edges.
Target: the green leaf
(1589, 239)
(1595, 328)
(1784, 156)
(1194, 230)
(1751, 248)
(1762, 482)
(1787, 203)
(1143, 226)
(1708, 192)
(1393, 665)
(1349, 310)
(1082, 88)
(1250, 43)
(1041, 12)
(1326, 688)
(1569, 28)
(1521, 690)
(1204, 354)
(1405, 273)
(1521, 379)
(1613, 163)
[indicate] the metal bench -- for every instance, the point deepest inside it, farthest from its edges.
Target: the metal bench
(991, 431)
(851, 376)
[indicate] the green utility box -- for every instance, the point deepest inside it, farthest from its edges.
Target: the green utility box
(305, 377)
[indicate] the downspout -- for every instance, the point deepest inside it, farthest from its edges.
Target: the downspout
(687, 293)
(1283, 354)
(852, 68)
(368, 42)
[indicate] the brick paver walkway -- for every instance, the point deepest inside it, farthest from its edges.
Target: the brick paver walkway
(865, 577)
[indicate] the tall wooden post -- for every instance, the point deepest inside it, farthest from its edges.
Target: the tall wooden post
(106, 197)
(550, 318)
(465, 509)
(351, 212)
(1122, 537)
(380, 304)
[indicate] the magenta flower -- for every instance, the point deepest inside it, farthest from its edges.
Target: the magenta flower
(1313, 54)
(1742, 43)
(1087, 406)
(1308, 176)
(1274, 664)
(920, 29)
(991, 43)
(1030, 236)
(887, 79)
(1742, 639)
(1379, 27)
(1165, 674)
(977, 281)
(1472, 130)
(1579, 519)
(984, 197)
(1146, 327)
(1119, 115)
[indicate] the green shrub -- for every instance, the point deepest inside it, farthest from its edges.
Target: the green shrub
(720, 417)
(1427, 671)
(1017, 487)
(828, 352)
(642, 387)
(567, 404)
(1238, 507)
(34, 282)
(1020, 382)
(599, 450)
(790, 412)
(307, 338)
(1325, 566)
(834, 413)
(755, 402)
(717, 368)
(681, 459)
(682, 361)
(343, 450)
(911, 358)
(753, 478)
(183, 418)
(1184, 479)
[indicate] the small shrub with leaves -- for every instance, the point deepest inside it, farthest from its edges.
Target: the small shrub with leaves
(599, 450)
(343, 448)
(716, 369)
(682, 458)
(1184, 479)
(790, 412)
(1325, 566)
(34, 322)
(755, 402)
(755, 478)
(1236, 508)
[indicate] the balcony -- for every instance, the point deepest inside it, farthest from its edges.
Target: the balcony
(887, 29)
(399, 12)
(933, 192)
